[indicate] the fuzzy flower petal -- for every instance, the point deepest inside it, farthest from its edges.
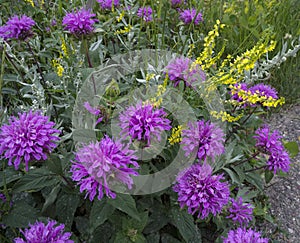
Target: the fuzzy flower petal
(17, 28)
(41, 233)
(245, 236)
(79, 23)
(202, 137)
(179, 70)
(145, 13)
(99, 165)
(142, 122)
(108, 4)
(188, 15)
(240, 212)
(26, 138)
(201, 191)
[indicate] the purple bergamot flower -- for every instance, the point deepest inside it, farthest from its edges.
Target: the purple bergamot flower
(17, 28)
(142, 122)
(240, 212)
(202, 137)
(270, 144)
(108, 4)
(100, 165)
(26, 138)
(264, 90)
(175, 3)
(188, 15)
(179, 70)
(41, 233)
(201, 191)
(239, 87)
(244, 236)
(79, 23)
(145, 13)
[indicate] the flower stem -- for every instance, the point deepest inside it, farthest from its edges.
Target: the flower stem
(246, 160)
(256, 168)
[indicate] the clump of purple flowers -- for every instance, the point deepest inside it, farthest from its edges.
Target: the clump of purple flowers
(201, 191)
(39, 232)
(142, 122)
(26, 138)
(145, 13)
(108, 4)
(245, 236)
(17, 28)
(239, 87)
(100, 165)
(240, 212)
(270, 144)
(188, 15)
(264, 90)
(179, 70)
(202, 137)
(175, 3)
(79, 23)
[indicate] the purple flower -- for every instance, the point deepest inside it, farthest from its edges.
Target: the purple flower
(17, 28)
(145, 13)
(179, 70)
(264, 90)
(188, 15)
(270, 144)
(108, 4)
(80, 23)
(26, 138)
(41, 233)
(202, 137)
(175, 3)
(240, 212)
(201, 191)
(2, 197)
(93, 111)
(239, 87)
(245, 236)
(142, 122)
(102, 164)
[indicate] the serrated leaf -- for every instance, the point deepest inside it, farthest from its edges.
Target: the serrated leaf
(51, 197)
(54, 164)
(234, 177)
(66, 206)
(126, 204)
(21, 215)
(100, 212)
(10, 175)
(35, 180)
(184, 222)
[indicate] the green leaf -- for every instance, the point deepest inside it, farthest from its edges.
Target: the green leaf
(234, 177)
(66, 206)
(292, 148)
(10, 175)
(255, 180)
(153, 238)
(100, 212)
(139, 225)
(35, 180)
(21, 215)
(102, 234)
(51, 197)
(268, 176)
(166, 238)
(54, 164)
(184, 222)
(157, 220)
(126, 204)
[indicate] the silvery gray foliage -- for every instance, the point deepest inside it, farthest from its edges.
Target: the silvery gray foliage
(261, 71)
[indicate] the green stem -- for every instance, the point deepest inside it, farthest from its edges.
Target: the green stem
(256, 168)
(246, 160)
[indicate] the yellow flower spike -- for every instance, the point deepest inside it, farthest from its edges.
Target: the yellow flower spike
(176, 135)
(119, 18)
(64, 47)
(59, 68)
(31, 2)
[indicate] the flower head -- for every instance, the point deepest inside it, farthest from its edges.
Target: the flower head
(188, 15)
(26, 138)
(179, 70)
(145, 13)
(270, 144)
(41, 233)
(100, 165)
(237, 87)
(201, 191)
(108, 4)
(175, 3)
(202, 137)
(93, 111)
(245, 236)
(240, 212)
(17, 28)
(142, 122)
(264, 90)
(79, 23)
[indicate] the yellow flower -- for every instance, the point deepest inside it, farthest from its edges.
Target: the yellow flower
(176, 135)
(59, 68)
(31, 2)
(126, 29)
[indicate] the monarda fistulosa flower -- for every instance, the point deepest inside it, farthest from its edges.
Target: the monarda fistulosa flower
(244, 235)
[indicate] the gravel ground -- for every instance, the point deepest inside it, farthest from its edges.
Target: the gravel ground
(284, 193)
